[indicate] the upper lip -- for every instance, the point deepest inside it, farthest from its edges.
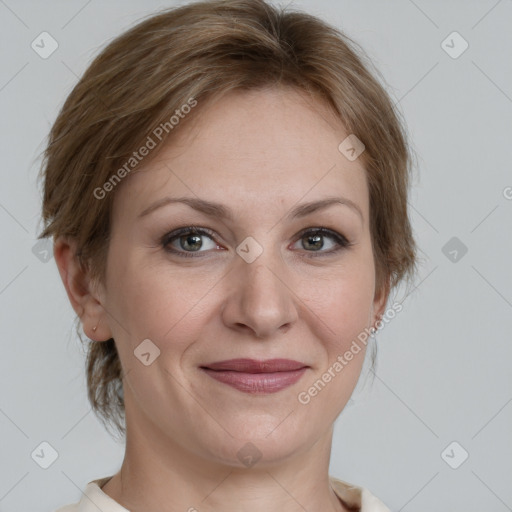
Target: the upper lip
(255, 366)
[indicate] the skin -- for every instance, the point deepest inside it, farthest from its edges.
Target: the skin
(260, 153)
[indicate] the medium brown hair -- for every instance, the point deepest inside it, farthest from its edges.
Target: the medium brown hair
(199, 51)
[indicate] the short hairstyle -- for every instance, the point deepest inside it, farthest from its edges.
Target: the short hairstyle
(186, 56)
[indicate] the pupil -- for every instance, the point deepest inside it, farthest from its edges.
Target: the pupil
(191, 237)
(317, 243)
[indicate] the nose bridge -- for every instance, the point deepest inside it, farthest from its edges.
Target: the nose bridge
(257, 257)
(260, 299)
(259, 281)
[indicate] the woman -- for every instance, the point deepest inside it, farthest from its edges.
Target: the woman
(227, 191)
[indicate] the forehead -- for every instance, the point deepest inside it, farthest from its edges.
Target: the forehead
(249, 147)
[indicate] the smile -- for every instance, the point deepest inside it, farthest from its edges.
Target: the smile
(256, 377)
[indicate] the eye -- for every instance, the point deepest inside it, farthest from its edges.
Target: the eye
(313, 240)
(187, 241)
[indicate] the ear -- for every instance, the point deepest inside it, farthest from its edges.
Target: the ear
(379, 302)
(85, 297)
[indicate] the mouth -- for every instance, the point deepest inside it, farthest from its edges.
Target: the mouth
(256, 377)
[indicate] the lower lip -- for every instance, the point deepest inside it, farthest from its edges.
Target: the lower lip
(256, 383)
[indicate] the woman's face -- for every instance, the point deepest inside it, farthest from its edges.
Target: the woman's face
(257, 283)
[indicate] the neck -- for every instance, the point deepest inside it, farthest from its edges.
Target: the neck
(159, 473)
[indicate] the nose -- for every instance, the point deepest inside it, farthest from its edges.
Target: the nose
(260, 301)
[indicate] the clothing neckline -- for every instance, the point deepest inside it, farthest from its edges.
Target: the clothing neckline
(356, 498)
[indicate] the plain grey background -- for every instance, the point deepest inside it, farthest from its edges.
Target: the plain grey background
(443, 372)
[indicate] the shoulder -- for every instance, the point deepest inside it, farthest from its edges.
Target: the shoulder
(93, 498)
(359, 498)
(68, 508)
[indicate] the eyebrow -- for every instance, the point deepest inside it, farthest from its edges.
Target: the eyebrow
(220, 211)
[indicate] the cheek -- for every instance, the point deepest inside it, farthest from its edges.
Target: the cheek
(167, 306)
(344, 309)
(343, 299)
(349, 309)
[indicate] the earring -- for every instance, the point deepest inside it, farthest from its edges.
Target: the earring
(372, 331)
(94, 328)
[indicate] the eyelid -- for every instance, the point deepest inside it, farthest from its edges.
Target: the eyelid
(325, 231)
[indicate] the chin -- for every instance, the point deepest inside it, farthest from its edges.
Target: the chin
(261, 443)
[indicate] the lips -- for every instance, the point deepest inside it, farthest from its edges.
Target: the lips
(254, 366)
(256, 377)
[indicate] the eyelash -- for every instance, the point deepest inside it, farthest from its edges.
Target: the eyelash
(342, 242)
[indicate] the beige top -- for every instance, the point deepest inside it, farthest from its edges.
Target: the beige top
(94, 499)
